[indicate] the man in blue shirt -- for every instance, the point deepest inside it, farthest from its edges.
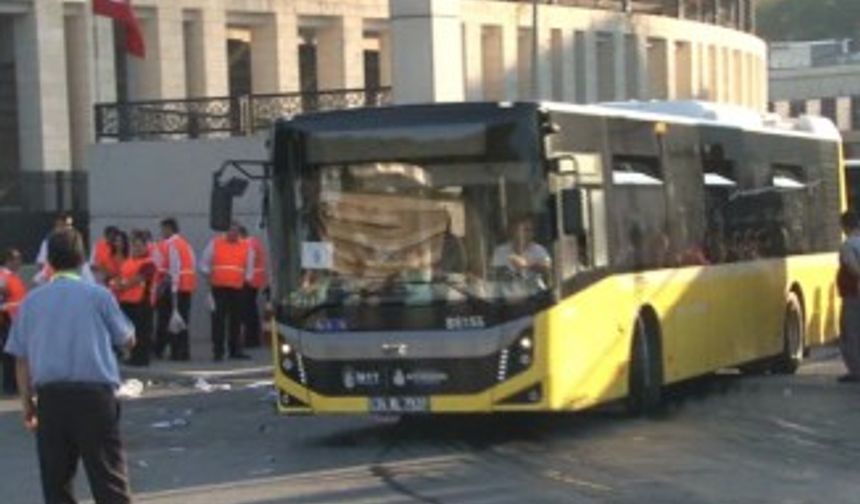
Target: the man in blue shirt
(67, 375)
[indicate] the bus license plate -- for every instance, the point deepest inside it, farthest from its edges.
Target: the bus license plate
(399, 404)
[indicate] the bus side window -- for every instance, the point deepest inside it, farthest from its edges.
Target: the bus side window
(791, 209)
(639, 213)
(721, 183)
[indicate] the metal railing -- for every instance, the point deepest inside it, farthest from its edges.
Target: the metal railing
(737, 14)
(221, 116)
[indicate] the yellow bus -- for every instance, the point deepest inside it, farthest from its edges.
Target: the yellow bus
(496, 257)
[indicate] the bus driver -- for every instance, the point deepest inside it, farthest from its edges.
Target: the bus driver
(521, 256)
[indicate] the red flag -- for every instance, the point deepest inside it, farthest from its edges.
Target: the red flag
(122, 12)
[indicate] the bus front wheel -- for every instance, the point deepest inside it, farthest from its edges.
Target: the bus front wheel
(646, 368)
(793, 337)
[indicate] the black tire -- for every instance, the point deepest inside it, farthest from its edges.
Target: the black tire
(793, 338)
(646, 370)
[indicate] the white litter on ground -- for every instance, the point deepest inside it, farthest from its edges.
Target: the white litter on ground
(204, 386)
(130, 389)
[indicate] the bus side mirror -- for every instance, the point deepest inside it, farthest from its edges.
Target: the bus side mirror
(221, 202)
(573, 218)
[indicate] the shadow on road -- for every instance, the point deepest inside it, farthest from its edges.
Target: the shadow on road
(486, 430)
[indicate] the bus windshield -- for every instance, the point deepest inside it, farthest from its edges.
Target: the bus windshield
(416, 234)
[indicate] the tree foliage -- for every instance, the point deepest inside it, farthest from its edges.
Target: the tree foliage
(784, 20)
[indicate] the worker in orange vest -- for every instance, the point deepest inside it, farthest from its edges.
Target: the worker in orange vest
(12, 292)
(132, 286)
(225, 263)
(255, 282)
(176, 281)
(101, 261)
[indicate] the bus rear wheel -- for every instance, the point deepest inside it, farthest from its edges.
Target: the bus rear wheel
(793, 338)
(646, 369)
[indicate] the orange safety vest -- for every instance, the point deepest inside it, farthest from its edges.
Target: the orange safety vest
(15, 291)
(259, 279)
(229, 260)
(102, 257)
(187, 275)
(130, 269)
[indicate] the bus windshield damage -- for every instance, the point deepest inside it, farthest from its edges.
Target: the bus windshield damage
(415, 234)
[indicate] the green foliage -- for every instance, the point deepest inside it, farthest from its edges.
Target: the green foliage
(808, 19)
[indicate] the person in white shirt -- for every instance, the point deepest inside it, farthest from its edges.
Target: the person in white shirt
(44, 273)
(521, 256)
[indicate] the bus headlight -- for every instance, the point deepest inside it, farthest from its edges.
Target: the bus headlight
(517, 357)
(526, 342)
(291, 362)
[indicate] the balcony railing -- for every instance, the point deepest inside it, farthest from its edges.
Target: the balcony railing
(221, 116)
(737, 14)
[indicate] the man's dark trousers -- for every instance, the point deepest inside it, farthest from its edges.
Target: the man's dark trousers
(81, 420)
(227, 317)
(179, 345)
(251, 319)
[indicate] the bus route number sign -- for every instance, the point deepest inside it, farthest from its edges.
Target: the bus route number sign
(399, 404)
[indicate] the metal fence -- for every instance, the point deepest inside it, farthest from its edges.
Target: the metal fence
(221, 116)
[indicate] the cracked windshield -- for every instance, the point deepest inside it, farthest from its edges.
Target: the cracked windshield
(412, 234)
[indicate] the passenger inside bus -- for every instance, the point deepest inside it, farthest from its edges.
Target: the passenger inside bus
(521, 257)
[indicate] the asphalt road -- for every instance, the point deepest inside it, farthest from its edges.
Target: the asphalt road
(726, 439)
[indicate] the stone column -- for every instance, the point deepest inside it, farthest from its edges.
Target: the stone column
(684, 70)
(591, 70)
(782, 108)
(473, 61)
(813, 107)
(568, 65)
(492, 64)
(340, 54)
(642, 77)
(275, 53)
(671, 70)
(161, 75)
(42, 89)
(208, 74)
(544, 58)
(385, 57)
(619, 54)
(843, 113)
(104, 71)
(510, 60)
(80, 65)
(428, 50)
(695, 70)
(658, 67)
(524, 64)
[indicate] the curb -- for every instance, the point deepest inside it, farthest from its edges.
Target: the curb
(182, 375)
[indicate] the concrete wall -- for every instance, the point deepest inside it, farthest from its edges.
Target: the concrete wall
(135, 185)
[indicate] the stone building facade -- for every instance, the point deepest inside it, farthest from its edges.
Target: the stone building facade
(57, 60)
